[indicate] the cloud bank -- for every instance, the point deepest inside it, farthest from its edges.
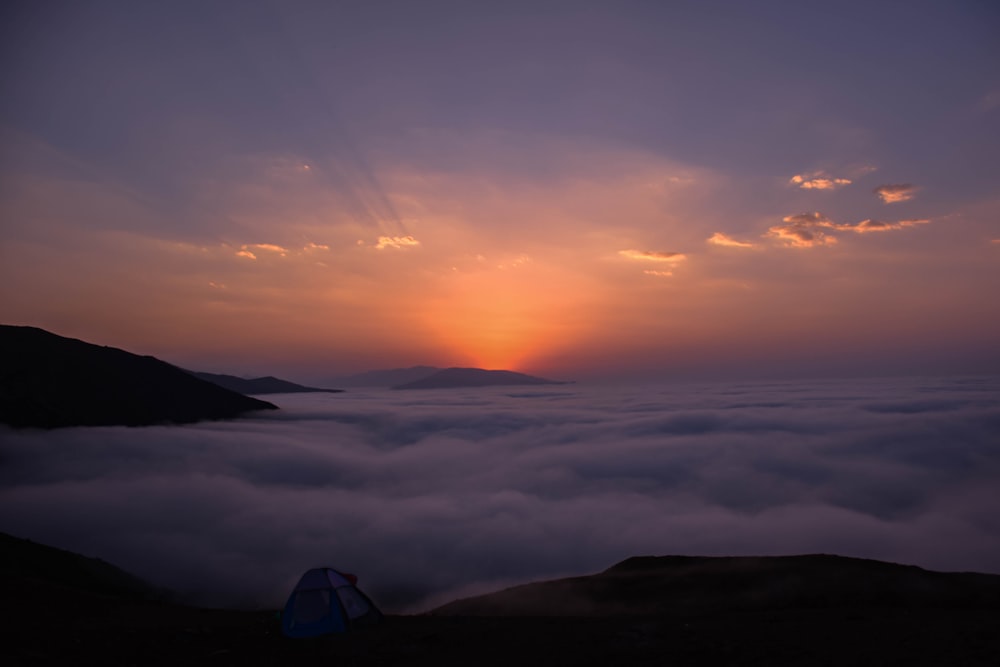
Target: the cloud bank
(433, 496)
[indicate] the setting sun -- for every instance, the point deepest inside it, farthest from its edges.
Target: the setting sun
(505, 318)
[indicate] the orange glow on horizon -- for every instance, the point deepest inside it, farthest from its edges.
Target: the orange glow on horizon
(505, 319)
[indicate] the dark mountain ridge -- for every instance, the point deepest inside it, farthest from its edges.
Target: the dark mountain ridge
(48, 381)
(262, 385)
(451, 378)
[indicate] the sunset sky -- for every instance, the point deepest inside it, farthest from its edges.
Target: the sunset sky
(572, 189)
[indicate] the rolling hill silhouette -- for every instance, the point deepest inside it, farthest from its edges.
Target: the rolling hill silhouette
(656, 585)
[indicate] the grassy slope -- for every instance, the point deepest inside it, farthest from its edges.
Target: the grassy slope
(100, 615)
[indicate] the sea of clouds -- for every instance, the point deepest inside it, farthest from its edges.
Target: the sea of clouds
(433, 495)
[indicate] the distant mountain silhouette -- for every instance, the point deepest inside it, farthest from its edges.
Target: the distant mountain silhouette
(648, 585)
(48, 381)
(473, 377)
(386, 378)
(261, 385)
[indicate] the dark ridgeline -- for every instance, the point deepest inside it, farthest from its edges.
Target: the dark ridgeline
(48, 381)
(451, 378)
(262, 385)
(658, 585)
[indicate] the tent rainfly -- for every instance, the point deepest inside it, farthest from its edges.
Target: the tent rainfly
(325, 602)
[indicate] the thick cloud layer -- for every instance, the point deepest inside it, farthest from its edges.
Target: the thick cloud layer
(431, 495)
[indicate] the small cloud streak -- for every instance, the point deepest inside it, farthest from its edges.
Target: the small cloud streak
(396, 242)
(894, 193)
(520, 260)
(253, 250)
(718, 238)
(270, 247)
(818, 181)
(867, 226)
(663, 274)
(652, 256)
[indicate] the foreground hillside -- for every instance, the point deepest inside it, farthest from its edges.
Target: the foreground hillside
(100, 615)
(652, 585)
(48, 381)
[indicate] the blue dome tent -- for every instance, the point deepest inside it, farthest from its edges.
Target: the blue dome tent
(325, 602)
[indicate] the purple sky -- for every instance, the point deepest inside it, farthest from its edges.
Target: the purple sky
(568, 188)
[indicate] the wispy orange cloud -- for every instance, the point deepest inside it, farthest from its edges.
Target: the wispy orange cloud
(652, 256)
(866, 226)
(815, 218)
(718, 238)
(804, 230)
(253, 250)
(797, 236)
(818, 181)
(893, 193)
(808, 230)
(269, 247)
(396, 242)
